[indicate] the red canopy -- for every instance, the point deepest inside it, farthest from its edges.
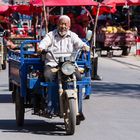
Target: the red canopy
(3, 8)
(23, 9)
(105, 8)
(63, 2)
(122, 2)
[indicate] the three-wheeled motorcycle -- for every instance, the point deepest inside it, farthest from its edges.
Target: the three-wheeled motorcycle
(62, 97)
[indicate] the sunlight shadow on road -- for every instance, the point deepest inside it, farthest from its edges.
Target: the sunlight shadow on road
(130, 65)
(116, 89)
(34, 127)
(5, 98)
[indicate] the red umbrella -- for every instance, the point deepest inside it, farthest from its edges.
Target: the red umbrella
(3, 9)
(105, 8)
(24, 9)
(122, 2)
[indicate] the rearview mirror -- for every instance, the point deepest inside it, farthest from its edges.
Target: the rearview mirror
(89, 35)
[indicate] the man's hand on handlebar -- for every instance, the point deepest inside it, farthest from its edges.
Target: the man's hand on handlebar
(86, 48)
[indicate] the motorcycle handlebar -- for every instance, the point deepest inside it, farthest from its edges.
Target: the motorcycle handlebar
(60, 55)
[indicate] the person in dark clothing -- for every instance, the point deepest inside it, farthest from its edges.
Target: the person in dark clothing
(1, 28)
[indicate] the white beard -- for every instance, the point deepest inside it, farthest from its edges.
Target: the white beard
(63, 33)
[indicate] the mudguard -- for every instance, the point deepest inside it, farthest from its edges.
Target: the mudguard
(71, 93)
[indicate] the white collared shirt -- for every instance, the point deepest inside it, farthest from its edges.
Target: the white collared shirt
(58, 44)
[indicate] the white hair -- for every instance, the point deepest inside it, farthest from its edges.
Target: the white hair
(64, 17)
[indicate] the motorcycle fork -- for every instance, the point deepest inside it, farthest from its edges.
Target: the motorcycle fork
(75, 90)
(60, 95)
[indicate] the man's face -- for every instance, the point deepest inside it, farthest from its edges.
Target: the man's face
(63, 27)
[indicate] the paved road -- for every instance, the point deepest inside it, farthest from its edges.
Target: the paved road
(112, 113)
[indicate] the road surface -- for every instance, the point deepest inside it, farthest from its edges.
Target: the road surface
(112, 112)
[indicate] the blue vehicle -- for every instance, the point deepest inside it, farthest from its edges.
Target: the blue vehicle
(61, 98)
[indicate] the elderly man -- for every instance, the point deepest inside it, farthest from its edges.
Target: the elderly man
(60, 40)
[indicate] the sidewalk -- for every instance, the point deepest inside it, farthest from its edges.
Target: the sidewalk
(132, 60)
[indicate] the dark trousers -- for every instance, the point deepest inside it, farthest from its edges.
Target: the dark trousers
(48, 74)
(94, 66)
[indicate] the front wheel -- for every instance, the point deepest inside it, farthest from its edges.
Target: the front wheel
(19, 109)
(70, 115)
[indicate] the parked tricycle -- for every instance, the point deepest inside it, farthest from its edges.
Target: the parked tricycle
(115, 41)
(59, 98)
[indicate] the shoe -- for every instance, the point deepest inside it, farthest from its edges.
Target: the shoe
(81, 117)
(96, 77)
(86, 97)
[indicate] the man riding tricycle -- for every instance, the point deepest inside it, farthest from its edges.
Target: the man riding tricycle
(52, 85)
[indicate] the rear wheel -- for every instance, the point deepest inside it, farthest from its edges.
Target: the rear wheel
(70, 115)
(19, 109)
(125, 51)
(110, 54)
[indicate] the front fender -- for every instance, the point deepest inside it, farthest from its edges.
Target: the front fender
(71, 93)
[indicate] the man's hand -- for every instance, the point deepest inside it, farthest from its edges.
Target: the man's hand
(39, 50)
(86, 48)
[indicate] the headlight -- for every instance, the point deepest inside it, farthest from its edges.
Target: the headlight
(68, 68)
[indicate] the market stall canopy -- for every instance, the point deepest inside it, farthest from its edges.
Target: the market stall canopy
(104, 8)
(63, 2)
(3, 8)
(122, 2)
(23, 9)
